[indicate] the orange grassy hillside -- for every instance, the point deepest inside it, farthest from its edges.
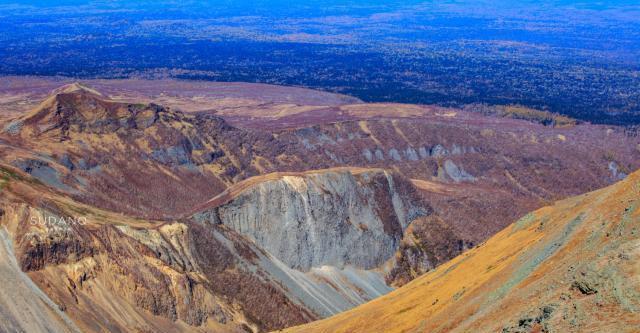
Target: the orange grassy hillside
(571, 267)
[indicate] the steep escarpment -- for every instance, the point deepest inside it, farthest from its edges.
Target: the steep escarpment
(343, 227)
(570, 267)
(338, 218)
(359, 230)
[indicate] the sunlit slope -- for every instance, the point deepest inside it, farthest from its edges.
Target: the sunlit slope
(571, 267)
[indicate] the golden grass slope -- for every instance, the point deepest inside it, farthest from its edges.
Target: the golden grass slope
(571, 267)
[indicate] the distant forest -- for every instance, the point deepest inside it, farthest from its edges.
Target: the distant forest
(433, 52)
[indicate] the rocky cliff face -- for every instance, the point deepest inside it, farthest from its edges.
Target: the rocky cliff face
(339, 218)
(335, 233)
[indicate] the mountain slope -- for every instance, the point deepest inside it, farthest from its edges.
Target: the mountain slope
(337, 228)
(222, 268)
(23, 296)
(477, 173)
(571, 267)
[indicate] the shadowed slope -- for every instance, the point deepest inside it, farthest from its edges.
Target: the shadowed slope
(571, 267)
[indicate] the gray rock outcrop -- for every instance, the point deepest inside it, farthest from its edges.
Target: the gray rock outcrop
(336, 218)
